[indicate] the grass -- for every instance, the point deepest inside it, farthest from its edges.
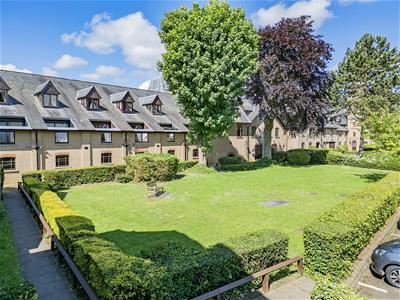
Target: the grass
(204, 209)
(9, 265)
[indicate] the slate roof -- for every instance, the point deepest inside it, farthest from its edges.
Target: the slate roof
(147, 100)
(23, 103)
(119, 96)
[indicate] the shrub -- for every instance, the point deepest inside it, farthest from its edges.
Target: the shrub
(66, 178)
(279, 156)
(334, 240)
(374, 160)
(190, 272)
(343, 148)
(186, 164)
(230, 160)
(298, 157)
(149, 166)
(326, 289)
(370, 147)
(318, 157)
(248, 166)
(1, 179)
(123, 178)
(19, 291)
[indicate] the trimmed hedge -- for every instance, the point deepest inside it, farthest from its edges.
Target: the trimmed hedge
(23, 290)
(186, 164)
(318, 156)
(279, 156)
(298, 157)
(1, 179)
(150, 166)
(334, 240)
(326, 289)
(66, 178)
(230, 160)
(373, 160)
(248, 166)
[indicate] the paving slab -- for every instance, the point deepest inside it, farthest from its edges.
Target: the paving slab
(38, 265)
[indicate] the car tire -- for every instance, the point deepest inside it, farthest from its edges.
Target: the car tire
(392, 274)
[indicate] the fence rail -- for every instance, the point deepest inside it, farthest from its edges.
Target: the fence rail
(54, 241)
(263, 273)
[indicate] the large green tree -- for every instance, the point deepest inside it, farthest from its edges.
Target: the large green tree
(292, 80)
(368, 79)
(210, 53)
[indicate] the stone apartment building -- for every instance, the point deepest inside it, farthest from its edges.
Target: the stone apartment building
(50, 122)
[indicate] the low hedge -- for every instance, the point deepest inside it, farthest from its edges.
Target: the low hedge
(298, 157)
(22, 290)
(247, 166)
(318, 156)
(150, 166)
(186, 164)
(1, 179)
(192, 272)
(279, 156)
(66, 178)
(373, 160)
(334, 240)
(326, 289)
(230, 160)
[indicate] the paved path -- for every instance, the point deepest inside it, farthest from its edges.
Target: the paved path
(38, 265)
(294, 287)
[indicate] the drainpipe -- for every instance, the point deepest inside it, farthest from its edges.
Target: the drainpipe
(185, 147)
(37, 147)
(126, 143)
(248, 143)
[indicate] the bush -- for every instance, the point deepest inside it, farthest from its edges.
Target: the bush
(230, 160)
(123, 178)
(279, 156)
(334, 240)
(326, 289)
(19, 291)
(149, 166)
(190, 272)
(248, 166)
(186, 164)
(65, 178)
(298, 157)
(318, 157)
(201, 169)
(370, 147)
(1, 179)
(373, 160)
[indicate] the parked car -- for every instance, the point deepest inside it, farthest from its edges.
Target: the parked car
(386, 261)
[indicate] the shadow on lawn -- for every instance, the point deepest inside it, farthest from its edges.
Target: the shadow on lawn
(372, 177)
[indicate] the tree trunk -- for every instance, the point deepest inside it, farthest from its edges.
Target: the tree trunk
(267, 138)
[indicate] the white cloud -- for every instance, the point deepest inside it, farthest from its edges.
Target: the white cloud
(102, 71)
(316, 9)
(11, 67)
(48, 71)
(145, 85)
(346, 2)
(135, 35)
(67, 61)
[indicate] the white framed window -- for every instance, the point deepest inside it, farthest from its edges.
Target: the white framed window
(49, 100)
(3, 96)
(106, 158)
(106, 137)
(62, 137)
(8, 163)
(141, 137)
(195, 154)
(171, 137)
(7, 137)
(62, 160)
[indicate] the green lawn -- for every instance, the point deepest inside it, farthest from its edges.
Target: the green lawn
(209, 208)
(9, 266)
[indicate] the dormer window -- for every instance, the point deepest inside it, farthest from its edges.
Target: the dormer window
(123, 101)
(48, 94)
(89, 98)
(4, 88)
(152, 103)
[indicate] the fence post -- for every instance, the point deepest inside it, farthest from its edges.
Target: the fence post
(265, 283)
(300, 266)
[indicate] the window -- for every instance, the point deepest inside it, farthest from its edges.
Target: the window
(309, 144)
(141, 137)
(172, 152)
(302, 145)
(277, 132)
(62, 137)
(317, 144)
(8, 163)
(92, 104)
(354, 134)
(106, 158)
(253, 131)
(49, 100)
(128, 107)
(106, 137)
(12, 122)
(7, 137)
(195, 153)
(101, 124)
(353, 145)
(170, 137)
(156, 109)
(3, 96)
(239, 130)
(58, 123)
(137, 125)
(62, 160)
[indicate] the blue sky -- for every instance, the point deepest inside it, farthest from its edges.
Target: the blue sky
(116, 41)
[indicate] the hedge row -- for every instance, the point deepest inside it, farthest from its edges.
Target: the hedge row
(301, 156)
(66, 178)
(230, 160)
(247, 166)
(150, 166)
(115, 275)
(326, 289)
(373, 160)
(335, 239)
(1, 178)
(186, 164)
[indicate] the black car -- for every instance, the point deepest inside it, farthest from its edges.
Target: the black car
(386, 261)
